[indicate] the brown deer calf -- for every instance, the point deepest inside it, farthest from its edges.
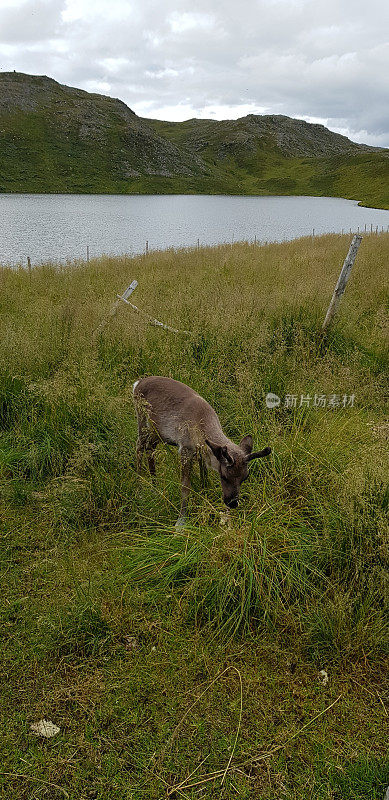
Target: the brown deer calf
(170, 412)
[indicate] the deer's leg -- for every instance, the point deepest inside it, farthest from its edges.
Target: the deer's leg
(145, 443)
(141, 440)
(186, 469)
(140, 448)
(150, 452)
(203, 471)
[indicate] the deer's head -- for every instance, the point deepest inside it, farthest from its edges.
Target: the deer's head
(233, 464)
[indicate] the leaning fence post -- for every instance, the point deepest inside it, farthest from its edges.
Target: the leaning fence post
(342, 281)
(119, 298)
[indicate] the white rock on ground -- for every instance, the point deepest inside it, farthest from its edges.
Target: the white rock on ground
(44, 728)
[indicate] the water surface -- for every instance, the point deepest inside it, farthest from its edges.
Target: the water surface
(61, 227)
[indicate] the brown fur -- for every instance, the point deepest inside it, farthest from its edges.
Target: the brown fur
(171, 412)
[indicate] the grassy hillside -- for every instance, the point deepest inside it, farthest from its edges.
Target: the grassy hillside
(282, 156)
(54, 138)
(57, 139)
(163, 654)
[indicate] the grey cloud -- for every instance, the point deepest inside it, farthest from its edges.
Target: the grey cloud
(30, 22)
(326, 59)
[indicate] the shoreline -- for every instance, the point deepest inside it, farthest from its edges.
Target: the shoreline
(83, 262)
(359, 203)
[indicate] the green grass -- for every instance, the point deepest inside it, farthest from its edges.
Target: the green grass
(162, 653)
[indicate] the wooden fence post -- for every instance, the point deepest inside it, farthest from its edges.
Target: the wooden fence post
(342, 281)
(119, 298)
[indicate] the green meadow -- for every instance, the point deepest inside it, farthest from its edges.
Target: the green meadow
(187, 663)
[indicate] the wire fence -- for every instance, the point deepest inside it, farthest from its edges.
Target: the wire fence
(26, 262)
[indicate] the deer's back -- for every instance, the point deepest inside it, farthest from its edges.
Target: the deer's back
(180, 415)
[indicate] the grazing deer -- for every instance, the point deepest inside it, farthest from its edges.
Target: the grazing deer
(170, 412)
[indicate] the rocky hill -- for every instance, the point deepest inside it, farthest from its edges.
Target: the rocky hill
(290, 137)
(55, 138)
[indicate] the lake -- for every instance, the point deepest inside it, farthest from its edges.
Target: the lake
(61, 227)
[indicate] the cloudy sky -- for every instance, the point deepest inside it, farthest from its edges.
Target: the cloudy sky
(322, 60)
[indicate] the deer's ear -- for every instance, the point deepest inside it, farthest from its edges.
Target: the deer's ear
(216, 449)
(259, 454)
(227, 458)
(221, 453)
(246, 444)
